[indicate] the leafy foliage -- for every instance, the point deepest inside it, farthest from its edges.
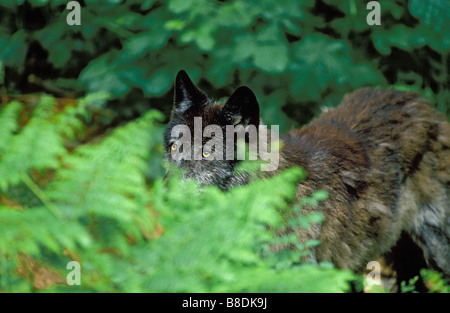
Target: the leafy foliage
(434, 281)
(82, 179)
(92, 204)
(296, 55)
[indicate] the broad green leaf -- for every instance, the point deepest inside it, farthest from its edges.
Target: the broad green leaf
(272, 58)
(432, 13)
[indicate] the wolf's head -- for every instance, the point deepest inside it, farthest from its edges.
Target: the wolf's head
(195, 138)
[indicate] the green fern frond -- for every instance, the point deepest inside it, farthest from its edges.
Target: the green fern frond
(37, 145)
(107, 181)
(8, 124)
(28, 231)
(212, 241)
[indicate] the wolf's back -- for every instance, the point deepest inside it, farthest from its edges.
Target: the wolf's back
(384, 157)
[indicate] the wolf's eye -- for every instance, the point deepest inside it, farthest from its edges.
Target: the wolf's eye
(206, 154)
(174, 147)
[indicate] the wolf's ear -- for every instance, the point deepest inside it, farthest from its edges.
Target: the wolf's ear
(242, 107)
(186, 93)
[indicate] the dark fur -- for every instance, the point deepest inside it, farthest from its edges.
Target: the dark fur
(382, 155)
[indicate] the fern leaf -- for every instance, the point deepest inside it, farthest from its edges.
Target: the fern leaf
(107, 181)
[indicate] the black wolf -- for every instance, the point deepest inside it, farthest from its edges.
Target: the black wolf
(382, 155)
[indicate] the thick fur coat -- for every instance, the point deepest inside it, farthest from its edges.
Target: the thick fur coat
(382, 155)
